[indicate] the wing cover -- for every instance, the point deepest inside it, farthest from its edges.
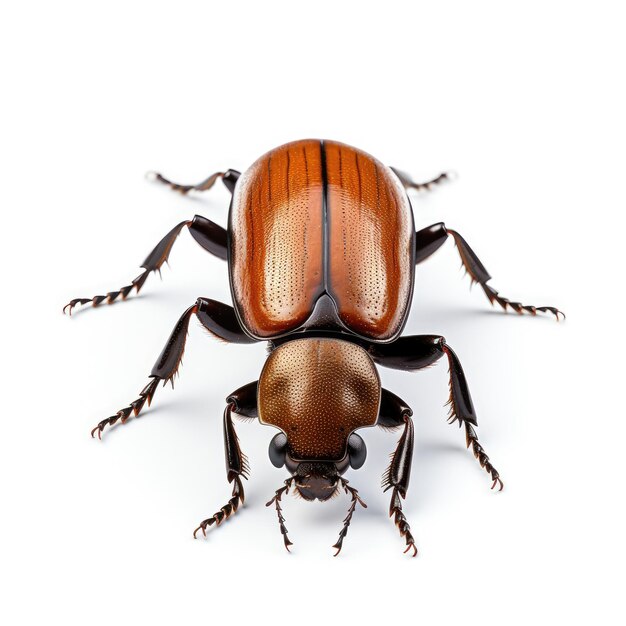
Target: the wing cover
(311, 217)
(371, 243)
(277, 239)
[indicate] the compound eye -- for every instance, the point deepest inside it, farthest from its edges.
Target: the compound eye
(357, 452)
(278, 449)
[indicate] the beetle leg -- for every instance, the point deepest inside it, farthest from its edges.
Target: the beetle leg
(395, 412)
(208, 234)
(420, 351)
(236, 468)
(430, 239)
(217, 318)
(409, 183)
(229, 178)
(462, 410)
(244, 400)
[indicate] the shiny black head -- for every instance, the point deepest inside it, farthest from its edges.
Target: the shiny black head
(314, 479)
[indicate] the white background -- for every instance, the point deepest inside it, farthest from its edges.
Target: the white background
(526, 101)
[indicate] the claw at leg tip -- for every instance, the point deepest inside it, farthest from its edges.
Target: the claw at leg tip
(413, 546)
(498, 482)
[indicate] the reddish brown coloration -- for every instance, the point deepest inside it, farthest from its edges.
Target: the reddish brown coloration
(371, 243)
(311, 217)
(276, 230)
(318, 391)
(321, 251)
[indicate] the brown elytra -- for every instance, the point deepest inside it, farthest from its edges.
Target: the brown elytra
(314, 217)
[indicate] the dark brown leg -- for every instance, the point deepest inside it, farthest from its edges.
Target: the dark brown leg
(346, 522)
(419, 351)
(229, 178)
(236, 468)
(219, 319)
(430, 239)
(394, 412)
(208, 234)
(409, 183)
(462, 411)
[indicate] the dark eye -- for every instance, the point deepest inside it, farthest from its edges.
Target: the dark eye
(357, 452)
(278, 449)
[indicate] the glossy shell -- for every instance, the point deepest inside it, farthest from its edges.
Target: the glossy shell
(314, 217)
(318, 391)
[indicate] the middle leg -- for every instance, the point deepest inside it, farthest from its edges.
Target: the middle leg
(217, 318)
(430, 239)
(210, 236)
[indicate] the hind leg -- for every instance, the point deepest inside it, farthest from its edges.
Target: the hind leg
(229, 178)
(430, 239)
(409, 183)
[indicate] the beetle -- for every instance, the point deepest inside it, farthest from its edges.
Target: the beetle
(321, 249)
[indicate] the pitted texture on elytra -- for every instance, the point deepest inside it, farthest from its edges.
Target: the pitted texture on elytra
(314, 216)
(276, 238)
(318, 391)
(371, 239)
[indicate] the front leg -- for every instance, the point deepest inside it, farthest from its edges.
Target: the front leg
(420, 351)
(394, 412)
(242, 402)
(236, 468)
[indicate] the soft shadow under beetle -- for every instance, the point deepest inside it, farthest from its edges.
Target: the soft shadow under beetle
(321, 250)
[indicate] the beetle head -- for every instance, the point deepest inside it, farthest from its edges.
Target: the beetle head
(316, 479)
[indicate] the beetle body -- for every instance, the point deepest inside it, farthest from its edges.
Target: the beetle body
(321, 250)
